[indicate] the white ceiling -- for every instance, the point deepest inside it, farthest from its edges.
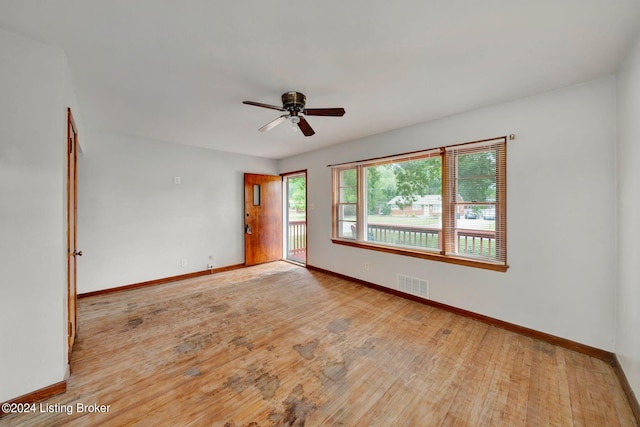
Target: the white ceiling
(178, 71)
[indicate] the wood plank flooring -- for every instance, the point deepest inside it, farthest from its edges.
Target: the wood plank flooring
(278, 345)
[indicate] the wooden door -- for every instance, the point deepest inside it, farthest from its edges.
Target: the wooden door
(263, 218)
(72, 212)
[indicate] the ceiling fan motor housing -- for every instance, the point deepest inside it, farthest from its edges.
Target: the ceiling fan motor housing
(294, 102)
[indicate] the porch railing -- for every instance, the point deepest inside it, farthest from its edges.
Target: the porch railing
(470, 242)
(407, 236)
(297, 237)
(477, 242)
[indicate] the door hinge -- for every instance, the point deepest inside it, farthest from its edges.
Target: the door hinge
(70, 328)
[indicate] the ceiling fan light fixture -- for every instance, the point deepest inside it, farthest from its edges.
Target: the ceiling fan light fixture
(294, 123)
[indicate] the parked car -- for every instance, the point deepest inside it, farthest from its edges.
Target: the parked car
(489, 214)
(470, 215)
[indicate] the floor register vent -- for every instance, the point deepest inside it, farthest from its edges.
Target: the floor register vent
(413, 285)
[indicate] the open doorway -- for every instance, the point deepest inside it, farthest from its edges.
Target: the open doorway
(295, 218)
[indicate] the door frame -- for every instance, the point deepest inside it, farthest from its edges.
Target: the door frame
(285, 215)
(72, 222)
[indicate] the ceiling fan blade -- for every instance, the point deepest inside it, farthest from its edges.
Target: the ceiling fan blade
(273, 123)
(305, 128)
(336, 112)
(259, 104)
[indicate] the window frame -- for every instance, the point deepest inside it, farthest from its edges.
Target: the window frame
(448, 251)
(338, 202)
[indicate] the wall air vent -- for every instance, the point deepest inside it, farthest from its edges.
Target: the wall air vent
(413, 285)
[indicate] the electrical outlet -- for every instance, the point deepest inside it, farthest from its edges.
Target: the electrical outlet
(366, 266)
(183, 262)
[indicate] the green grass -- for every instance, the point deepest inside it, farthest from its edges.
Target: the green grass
(409, 221)
(297, 216)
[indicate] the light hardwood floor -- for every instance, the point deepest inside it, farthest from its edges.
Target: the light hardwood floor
(278, 345)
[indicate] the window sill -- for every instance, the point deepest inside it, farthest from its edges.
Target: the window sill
(422, 254)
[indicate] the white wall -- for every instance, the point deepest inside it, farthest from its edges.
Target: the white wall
(135, 224)
(561, 221)
(628, 167)
(35, 93)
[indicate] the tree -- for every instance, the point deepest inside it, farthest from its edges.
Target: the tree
(381, 186)
(414, 178)
(476, 176)
(297, 193)
(417, 178)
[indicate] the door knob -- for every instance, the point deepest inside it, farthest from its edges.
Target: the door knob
(77, 253)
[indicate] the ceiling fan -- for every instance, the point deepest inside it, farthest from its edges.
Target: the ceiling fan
(294, 104)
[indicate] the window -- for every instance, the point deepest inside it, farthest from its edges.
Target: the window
(347, 187)
(446, 204)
